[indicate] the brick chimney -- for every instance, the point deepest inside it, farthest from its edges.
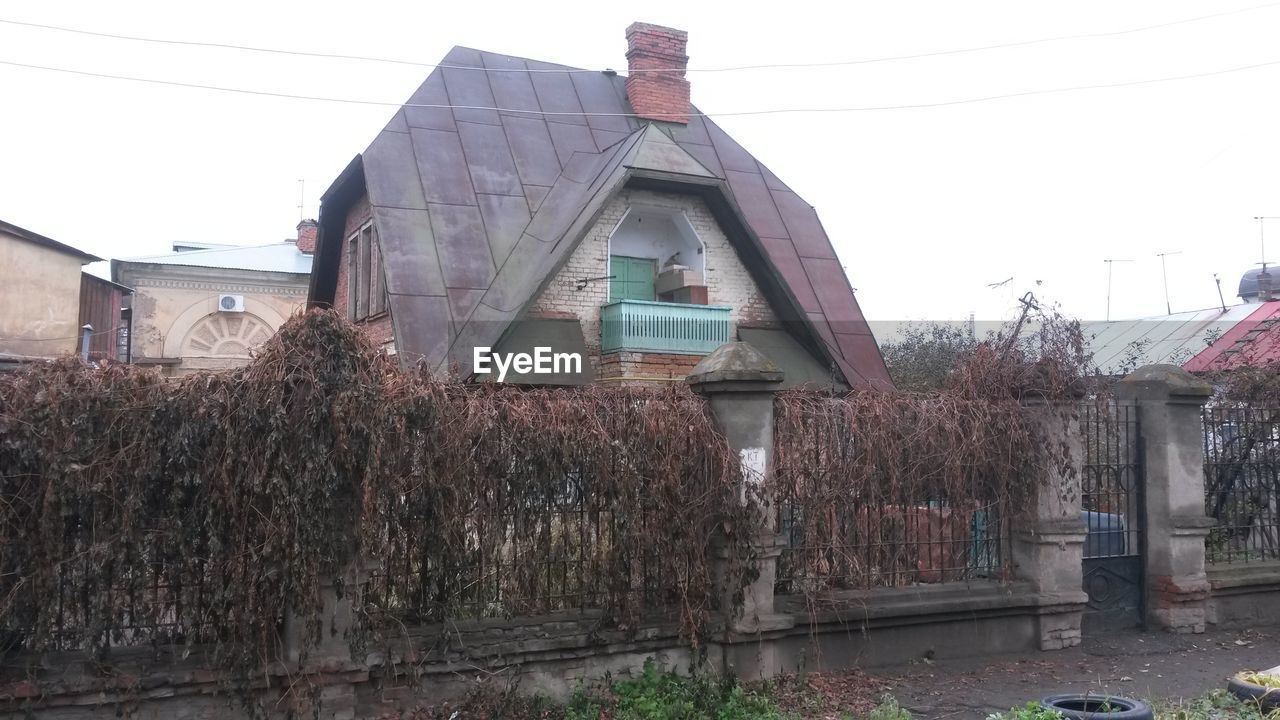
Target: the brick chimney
(657, 95)
(307, 232)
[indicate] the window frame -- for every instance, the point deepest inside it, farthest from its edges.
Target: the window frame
(366, 280)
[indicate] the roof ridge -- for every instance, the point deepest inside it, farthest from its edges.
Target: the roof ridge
(505, 55)
(189, 253)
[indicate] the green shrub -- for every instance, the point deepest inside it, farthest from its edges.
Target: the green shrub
(665, 696)
(1215, 705)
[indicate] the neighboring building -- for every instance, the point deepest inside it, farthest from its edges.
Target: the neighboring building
(1122, 346)
(1252, 342)
(46, 301)
(1257, 286)
(588, 213)
(1246, 335)
(205, 306)
(104, 308)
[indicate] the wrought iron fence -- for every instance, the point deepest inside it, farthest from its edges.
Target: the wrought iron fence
(851, 545)
(1242, 483)
(151, 596)
(1111, 482)
(849, 525)
(529, 548)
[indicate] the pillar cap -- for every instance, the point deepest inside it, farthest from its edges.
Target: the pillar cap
(735, 366)
(1163, 383)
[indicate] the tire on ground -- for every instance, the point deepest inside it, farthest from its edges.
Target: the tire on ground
(1092, 706)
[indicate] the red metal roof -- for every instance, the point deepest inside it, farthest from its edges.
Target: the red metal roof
(1252, 342)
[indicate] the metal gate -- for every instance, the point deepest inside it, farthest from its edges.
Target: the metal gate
(1113, 504)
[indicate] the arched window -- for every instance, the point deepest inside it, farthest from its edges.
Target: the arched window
(225, 335)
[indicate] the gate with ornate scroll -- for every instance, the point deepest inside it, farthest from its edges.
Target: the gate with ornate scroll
(1113, 504)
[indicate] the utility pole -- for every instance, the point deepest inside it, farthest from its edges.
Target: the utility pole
(1164, 271)
(1110, 265)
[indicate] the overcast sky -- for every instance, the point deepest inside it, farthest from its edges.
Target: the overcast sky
(926, 206)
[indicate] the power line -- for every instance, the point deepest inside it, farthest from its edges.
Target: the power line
(95, 333)
(735, 68)
(773, 111)
(984, 48)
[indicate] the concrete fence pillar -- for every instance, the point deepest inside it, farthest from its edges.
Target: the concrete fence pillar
(1048, 535)
(328, 668)
(1169, 402)
(739, 384)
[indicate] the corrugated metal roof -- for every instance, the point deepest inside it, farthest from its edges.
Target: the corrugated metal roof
(276, 257)
(1176, 339)
(473, 206)
(1252, 342)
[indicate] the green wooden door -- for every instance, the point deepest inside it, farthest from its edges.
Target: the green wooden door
(632, 278)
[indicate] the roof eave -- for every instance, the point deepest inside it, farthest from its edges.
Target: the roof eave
(122, 288)
(43, 241)
(334, 204)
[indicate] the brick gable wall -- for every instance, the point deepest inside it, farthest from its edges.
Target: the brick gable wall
(728, 283)
(378, 329)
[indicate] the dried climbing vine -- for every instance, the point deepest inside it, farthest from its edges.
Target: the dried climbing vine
(896, 488)
(202, 512)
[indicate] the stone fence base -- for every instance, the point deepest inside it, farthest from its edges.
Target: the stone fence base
(553, 655)
(1244, 595)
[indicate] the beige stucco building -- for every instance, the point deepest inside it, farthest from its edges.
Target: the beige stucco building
(204, 307)
(39, 295)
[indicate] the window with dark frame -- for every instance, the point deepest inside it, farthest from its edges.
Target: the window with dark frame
(366, 290)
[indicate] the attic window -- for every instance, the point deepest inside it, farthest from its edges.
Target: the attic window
(366, 291)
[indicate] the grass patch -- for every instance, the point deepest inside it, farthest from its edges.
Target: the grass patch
(658, 695)
(1215, 705)
(1030, 711)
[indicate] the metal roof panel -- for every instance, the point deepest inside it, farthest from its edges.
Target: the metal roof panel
(276, 257)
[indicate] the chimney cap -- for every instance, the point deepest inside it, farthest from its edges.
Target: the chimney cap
(637, 27)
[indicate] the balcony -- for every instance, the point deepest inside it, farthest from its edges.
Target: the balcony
(663, 327)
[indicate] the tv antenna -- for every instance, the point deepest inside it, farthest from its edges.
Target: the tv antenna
(302, 190)
(1262, 236)
(1164, 272)
(1218, 281)
(1110, 266)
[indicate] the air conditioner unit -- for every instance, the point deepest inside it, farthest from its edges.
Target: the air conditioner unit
(231, 303)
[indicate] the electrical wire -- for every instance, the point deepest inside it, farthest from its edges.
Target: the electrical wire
(739, 113)
(95, 333)
(735, 68)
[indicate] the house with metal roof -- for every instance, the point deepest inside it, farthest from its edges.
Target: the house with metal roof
(1252, 342)
(50, 307)
(205, 306)
(512, 204)
(1222, 338)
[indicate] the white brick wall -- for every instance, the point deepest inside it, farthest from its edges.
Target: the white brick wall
(728, 281)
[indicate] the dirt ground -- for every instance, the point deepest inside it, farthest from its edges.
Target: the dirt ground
(1147, 665)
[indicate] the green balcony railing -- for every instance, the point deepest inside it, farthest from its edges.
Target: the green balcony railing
(663, 327)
